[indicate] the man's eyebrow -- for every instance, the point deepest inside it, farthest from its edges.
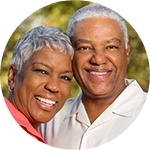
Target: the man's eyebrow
(114, 40)
(82, 41)
(78, 41)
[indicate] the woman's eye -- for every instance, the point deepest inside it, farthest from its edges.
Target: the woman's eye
(66, 78)
(41, 71)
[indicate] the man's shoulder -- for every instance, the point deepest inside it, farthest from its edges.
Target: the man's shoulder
(71, 106)
(71, 101)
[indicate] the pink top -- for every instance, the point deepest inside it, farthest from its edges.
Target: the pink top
(23, 121)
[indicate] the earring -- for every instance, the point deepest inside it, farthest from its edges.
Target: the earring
(9, 88)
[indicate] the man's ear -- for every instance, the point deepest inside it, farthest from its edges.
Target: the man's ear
(12, 71)
(128, 52)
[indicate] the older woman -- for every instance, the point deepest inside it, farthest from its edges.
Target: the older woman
(39, 77)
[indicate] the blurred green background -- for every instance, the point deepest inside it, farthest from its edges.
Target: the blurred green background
(58, 14)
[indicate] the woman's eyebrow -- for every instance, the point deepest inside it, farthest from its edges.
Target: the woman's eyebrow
(68, 71)
(41, 63)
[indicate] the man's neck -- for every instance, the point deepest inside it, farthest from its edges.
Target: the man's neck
(95, 108)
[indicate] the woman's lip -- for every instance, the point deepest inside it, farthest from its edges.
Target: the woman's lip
(46, 104)
(46, 100)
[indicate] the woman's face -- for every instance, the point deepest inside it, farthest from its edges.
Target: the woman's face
(43, 85)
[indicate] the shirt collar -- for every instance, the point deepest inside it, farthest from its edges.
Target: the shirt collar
(125, 105)
(75, 104)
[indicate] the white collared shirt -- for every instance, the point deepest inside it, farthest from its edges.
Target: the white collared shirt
(71, 128)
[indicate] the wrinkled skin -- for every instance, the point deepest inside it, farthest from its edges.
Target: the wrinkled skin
(100, 62)
(46, 76)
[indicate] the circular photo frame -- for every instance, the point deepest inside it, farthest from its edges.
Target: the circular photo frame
(57, 14)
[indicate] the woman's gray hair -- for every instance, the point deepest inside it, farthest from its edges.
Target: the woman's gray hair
(37, 38)
(97, 10)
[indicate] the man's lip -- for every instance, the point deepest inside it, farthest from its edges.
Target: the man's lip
(99, 71)
(99, 74)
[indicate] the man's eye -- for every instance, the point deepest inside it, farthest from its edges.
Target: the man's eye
(83, 48)
(111, 47)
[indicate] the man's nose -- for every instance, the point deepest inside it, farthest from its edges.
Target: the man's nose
(99, 57)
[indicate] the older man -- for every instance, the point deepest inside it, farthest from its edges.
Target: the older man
(108, 102)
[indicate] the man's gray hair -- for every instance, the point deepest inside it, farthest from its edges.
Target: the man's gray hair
(97, 10)
(37, 38)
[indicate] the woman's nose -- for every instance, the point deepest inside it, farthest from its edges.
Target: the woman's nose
(52, 86)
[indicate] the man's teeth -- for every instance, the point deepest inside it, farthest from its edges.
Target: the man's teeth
(98, 73)
(47, 101)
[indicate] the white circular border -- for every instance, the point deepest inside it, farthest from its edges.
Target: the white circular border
(13, 12)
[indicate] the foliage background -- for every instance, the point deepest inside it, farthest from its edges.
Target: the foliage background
(58, 14)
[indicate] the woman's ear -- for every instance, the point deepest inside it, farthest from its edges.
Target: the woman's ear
(12, 71)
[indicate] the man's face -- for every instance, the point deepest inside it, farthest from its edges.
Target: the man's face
(100, 59)
(43, 85)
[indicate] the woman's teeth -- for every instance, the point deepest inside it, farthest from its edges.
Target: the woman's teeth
(47, 101)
